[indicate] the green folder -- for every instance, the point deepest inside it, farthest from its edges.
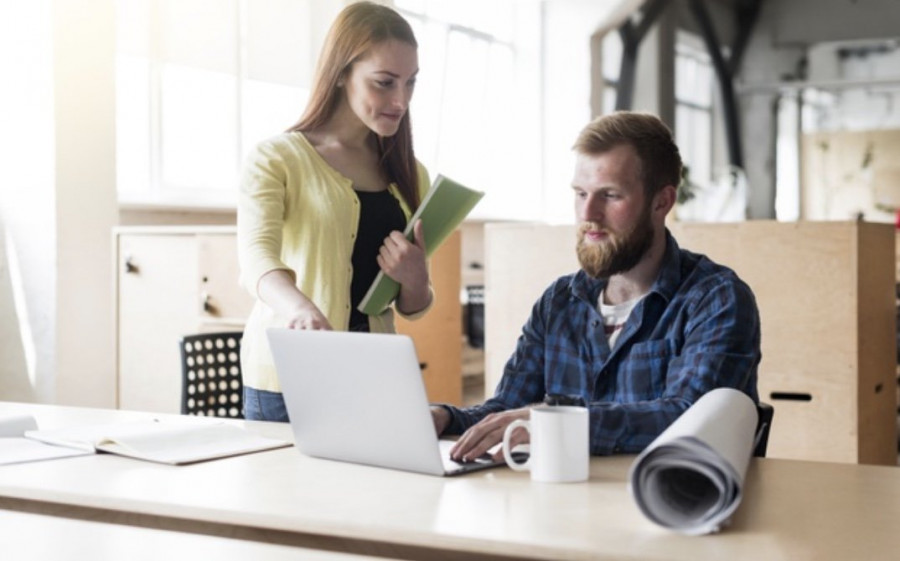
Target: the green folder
(444, 207)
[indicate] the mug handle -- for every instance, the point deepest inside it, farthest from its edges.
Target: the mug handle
(507, 453)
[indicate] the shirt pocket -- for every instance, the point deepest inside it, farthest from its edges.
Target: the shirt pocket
(642, 371)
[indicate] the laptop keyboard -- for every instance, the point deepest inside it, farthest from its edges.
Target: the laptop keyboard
(482, 459)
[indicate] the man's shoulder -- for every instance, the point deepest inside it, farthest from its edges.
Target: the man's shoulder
(566, 282)
(701, 274)
(578, 285)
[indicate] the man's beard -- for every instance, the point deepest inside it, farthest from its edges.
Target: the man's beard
(618, 253)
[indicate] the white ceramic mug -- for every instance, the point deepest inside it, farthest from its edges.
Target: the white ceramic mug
(559, 444)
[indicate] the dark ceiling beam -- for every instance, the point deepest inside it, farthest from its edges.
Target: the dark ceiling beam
(632, 34)
(746, 12)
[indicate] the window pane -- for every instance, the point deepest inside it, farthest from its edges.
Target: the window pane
(692, 133)
(268, 109)
(426, 107)
(199, 135)
(417, 6)
(278, 43)
(609, 99)
(612, 56)
(702, 153)
(705, 83)
(463, 101)
(693, 75)
(787, 158)
(132, 124)
(493, 18)
(200, 33)
(133, 27)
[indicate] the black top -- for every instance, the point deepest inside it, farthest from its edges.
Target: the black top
(379, 215)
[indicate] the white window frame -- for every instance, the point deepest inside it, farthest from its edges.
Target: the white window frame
(149, 189)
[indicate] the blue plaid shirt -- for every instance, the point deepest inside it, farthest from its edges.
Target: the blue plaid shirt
(696, 330)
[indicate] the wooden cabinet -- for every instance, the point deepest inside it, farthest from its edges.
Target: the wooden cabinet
(175, 281)
(170, 282)
(825, 292)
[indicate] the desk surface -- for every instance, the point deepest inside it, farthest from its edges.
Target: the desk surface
(38, 537)
(791, 509)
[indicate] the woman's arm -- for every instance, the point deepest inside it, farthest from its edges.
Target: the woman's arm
(277, 289)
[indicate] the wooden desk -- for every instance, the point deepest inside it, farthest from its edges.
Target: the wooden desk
(38, 537)
(791, 509)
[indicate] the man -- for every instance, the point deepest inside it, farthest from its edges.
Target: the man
(643, 329)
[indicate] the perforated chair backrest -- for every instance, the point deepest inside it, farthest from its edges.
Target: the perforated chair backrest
(763, 425)
(211, 382)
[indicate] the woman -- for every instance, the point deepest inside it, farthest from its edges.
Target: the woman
(322, 207)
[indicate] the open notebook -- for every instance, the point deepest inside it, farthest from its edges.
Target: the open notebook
(169, 442)
(16, 449)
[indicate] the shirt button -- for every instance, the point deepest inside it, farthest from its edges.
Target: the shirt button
(595, 323)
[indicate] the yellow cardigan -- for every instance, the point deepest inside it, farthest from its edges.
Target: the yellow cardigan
(297, 213)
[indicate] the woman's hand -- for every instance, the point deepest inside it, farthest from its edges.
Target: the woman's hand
(308, 317)
(404, 261)
(277, 289)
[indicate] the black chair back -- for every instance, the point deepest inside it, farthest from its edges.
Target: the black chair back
(211, 375)
(765, 412)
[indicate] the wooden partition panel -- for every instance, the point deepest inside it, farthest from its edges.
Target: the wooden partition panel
(521, 260)
(826, 297)
(438, 335)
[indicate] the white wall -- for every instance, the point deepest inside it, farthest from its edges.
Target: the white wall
(86, 207)
(27, 201)
(58, 199)
(15, 384)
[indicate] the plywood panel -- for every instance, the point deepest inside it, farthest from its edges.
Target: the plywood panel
(521, 260)
(803, 279)
(438, 334)
(877, 398)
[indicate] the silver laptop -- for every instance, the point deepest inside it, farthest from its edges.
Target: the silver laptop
(359, 397)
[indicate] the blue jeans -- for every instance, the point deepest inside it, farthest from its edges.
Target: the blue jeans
(261, 405)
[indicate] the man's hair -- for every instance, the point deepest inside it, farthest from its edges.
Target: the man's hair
(651, 139)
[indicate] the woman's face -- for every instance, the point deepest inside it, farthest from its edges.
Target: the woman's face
(380, 85)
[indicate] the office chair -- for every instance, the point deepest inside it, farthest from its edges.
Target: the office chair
(211, 382)
(765, 412)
